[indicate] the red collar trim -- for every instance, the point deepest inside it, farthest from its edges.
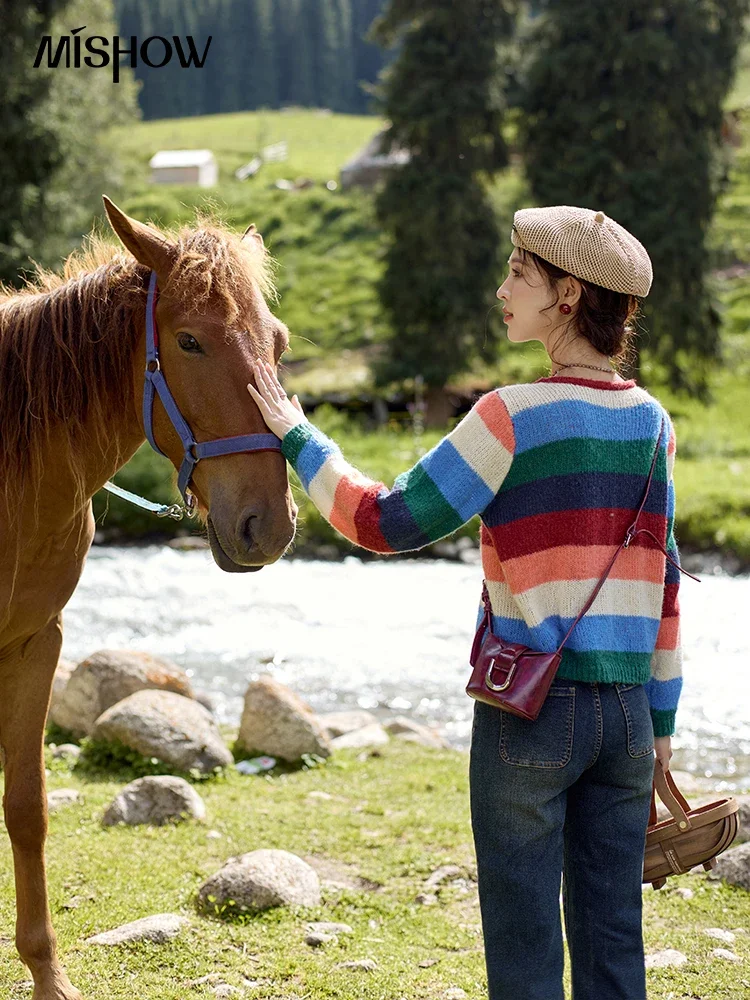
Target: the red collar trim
(594, 383)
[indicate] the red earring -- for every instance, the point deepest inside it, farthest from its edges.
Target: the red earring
(565, 308)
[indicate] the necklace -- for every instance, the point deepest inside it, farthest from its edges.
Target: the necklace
(597, 368)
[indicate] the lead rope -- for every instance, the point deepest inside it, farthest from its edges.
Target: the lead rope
(173, 510)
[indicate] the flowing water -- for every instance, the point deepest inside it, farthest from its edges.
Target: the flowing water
(392, 636)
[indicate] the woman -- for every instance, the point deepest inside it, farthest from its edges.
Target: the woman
(555, 469)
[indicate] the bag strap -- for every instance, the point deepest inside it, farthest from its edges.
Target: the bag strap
(630, 534)
(671, 796)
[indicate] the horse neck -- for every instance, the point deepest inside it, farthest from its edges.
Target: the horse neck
(99, 320)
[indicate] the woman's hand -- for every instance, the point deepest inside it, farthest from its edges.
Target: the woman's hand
(663, 747)
(279, 412)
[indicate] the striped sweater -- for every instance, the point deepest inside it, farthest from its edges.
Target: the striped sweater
(555, 470)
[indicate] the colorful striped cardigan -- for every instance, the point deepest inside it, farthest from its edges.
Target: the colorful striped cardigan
(555, 469)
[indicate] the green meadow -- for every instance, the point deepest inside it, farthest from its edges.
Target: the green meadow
(329, 252)
(385, 820)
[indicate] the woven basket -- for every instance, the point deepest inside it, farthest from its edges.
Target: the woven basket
(689, 837)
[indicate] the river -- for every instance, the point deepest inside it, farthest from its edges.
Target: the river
(391, 636)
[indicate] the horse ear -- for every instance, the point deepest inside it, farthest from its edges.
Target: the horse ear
(146, 244)
(252, 232)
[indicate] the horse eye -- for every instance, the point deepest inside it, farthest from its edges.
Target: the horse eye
(188, 343)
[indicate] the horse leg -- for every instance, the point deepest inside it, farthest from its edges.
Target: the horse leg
(27, 682)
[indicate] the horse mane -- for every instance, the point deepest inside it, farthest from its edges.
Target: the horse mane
(67, 340)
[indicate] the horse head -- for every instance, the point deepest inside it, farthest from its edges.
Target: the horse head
(212, 319)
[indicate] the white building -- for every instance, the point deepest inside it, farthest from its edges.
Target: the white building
(184, 166)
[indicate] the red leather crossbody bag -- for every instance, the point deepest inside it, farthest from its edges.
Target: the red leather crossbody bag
(516, 678)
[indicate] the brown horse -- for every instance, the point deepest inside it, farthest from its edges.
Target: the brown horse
(72, 354)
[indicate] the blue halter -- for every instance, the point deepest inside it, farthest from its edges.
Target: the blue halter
(194, 450)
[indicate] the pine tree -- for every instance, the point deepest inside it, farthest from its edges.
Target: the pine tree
(622, 113)
(444, 99)
(31, 147)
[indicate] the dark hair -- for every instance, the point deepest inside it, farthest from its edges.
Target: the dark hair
(604, 317)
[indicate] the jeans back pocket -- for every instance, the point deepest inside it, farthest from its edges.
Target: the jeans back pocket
(547, 741)
(640, 729)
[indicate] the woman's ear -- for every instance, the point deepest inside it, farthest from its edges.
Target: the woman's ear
(571, 290)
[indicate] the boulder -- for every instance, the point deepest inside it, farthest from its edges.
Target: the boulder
(59, 682)
(369, 736)
(258, 881)
(275, 721)
(415, 732)
(162, 724)
(108, 676)
(734, 866)
(340, 723)
(155, 801)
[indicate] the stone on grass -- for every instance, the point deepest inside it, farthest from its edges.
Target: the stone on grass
(683, 892)
(441, 874)
(317, 940)
(108, 676)
(743, 816)
(168, 726)
(275, 721)
(370, 736)
(720, 935)
(66, 751)
(368, 964)
(733, 866)
(328, 927)
(415, 732)
(339, 723)
(61, 797)
(727, 955)
(258, 881)
(155, 800)
(665, 959)
(159, 928)
(454, 993)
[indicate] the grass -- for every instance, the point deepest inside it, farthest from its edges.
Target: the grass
(393, 817)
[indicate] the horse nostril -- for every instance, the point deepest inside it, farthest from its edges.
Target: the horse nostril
(247, 530)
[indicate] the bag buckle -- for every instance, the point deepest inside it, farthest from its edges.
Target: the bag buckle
(498, 687)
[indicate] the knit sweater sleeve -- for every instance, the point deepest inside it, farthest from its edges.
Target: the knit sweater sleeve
(451, 483)
(665, 684)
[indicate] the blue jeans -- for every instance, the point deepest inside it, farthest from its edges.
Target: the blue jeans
(567, 794)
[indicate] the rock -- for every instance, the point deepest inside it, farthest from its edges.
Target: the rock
(225, 990)
(454, 993)
(63, 797)
(317, 794)
(66, 751)
(328, 927)
(277, 722)
(369, 736)
(107, 677)
(162, 724)
(725, 954)
(743, 815)
(664, 959)
(441, 874)
(716, 932)
(407, 729)
(259, 880)
(734, 866)
(339, 723)
(426, 899)
(59, 682)
(683, 892)
(207, 700)
(317, 940)
(155, 800)
(368, 964)
(159, 928)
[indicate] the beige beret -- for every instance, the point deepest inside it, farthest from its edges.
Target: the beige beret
(586, 244)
